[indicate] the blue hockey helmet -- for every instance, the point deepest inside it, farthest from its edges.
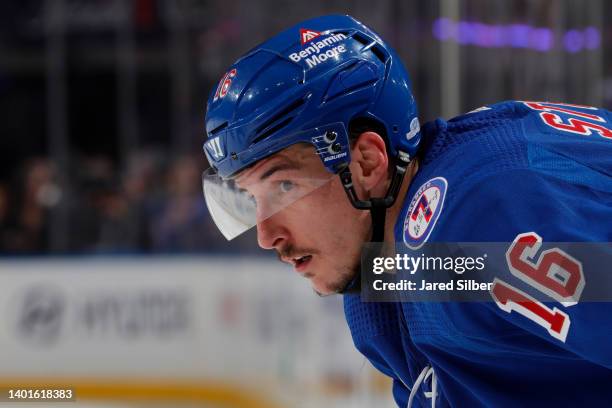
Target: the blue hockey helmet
(305, 85)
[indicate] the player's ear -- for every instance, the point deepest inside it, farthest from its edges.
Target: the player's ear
(369, 163)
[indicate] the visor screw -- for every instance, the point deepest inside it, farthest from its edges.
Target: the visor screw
(336, 147)
(234, 156)
(330, 136)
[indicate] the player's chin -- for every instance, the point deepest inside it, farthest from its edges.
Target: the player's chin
(326, 287)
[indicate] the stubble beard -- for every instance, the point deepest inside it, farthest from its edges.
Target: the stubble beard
(344, 278)
(343, 275)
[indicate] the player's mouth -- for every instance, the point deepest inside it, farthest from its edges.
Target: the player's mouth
(300, 263)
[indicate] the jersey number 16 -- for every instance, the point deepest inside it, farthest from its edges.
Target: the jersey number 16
(554, 273)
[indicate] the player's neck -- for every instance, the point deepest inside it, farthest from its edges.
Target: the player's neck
(394, 212)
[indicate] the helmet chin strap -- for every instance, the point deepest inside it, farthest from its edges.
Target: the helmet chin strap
(377, 206)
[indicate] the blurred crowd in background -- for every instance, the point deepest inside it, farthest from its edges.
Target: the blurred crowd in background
(155, 205)
(102, 101)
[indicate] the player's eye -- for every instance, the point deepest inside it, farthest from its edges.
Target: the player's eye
(286, 186)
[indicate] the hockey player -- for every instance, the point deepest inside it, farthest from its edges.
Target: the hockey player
(313, 138)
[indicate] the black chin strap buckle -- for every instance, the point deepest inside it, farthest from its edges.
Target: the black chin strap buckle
(378, 212)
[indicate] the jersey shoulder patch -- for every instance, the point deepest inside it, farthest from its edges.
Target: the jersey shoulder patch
(423, 212)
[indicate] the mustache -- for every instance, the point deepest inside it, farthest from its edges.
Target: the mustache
(291, 251)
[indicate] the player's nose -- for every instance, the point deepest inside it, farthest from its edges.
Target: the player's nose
(270, 233)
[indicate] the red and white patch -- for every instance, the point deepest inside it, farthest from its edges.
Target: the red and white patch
(424, 211)
(307, 35)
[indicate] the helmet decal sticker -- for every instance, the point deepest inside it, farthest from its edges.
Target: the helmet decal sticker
(320, 51)
(307, 35)
(213, 147)
(224, 84)
(415, 127)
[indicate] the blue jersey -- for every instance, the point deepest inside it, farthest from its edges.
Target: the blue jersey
(498, 172)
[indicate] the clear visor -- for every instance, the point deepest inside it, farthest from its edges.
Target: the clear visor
(258, 193)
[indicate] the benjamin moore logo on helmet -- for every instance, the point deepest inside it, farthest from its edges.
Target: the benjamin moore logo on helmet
(312, 53)
(307, 35)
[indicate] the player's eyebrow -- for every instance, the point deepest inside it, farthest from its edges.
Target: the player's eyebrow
(279, 167)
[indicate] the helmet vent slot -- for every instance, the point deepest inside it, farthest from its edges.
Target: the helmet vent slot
(218, 128)
(362, 40)
(371, 45)
(353, 88)
(379, 53)
(278, 121)
(272, 129)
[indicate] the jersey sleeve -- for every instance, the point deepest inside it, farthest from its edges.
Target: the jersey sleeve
(499, 207)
